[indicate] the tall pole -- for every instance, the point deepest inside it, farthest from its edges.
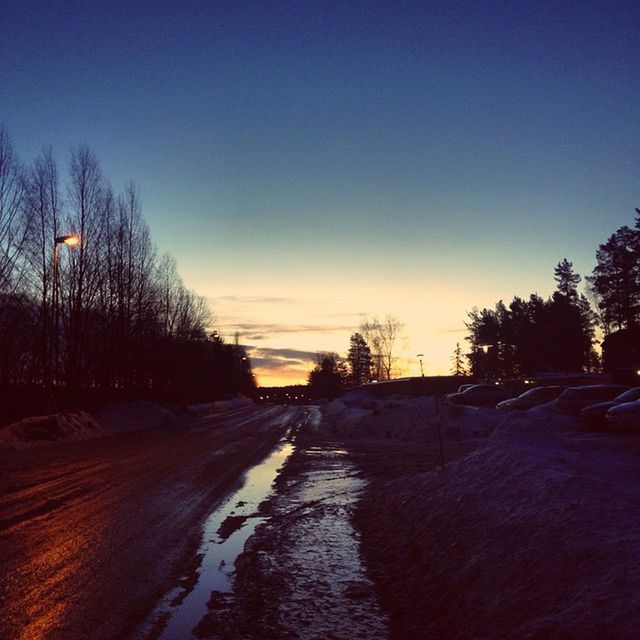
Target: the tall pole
(439, 429)
(70, 241)
(55, 314)
(420, 356)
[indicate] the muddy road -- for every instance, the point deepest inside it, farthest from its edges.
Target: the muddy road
(279, 558)
(94, 533)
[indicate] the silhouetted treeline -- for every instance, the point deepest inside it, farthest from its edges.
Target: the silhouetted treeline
(558, 334)
(616, 279)
(371, 356)
(329, 377)
(535, 335)
(113, 318)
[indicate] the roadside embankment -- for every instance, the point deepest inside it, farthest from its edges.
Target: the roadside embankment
(532, 530)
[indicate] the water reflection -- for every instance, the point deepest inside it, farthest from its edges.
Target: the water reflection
(224, 537)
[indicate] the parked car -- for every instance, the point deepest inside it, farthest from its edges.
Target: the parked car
(624, 417)
(594, 415)
(480, 395)
(530, 398)
(463, 387)
(574, 399)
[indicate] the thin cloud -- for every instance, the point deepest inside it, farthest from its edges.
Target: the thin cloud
(258, 299)
(453, 330)
(268, 359)
(269, 364)
(273, 329)
(285, 354)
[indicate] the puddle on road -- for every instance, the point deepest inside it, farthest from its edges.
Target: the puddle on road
(326, 452)
(224, 536)
(329, 594)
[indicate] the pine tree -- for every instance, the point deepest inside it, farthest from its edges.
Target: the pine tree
(359, 360)
(567, 281)
(616, 279)
(458, 364)
(325, 380)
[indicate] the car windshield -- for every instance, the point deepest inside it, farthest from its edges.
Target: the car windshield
(629, 396)
(540, 392)
(481, 387)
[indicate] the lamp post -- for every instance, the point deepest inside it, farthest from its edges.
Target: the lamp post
(485, 348)
(420, 356)
(70, 241)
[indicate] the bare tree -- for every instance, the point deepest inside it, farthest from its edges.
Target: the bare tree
(44, 206)
(87, 198)
(16, 311)
(382, 337)
(13, 213)
(127, 322)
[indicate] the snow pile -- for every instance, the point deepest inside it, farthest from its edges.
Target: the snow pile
(39, 430)
(531, 536)
(207, 408)
(135, 415)
(520, 423)
(358, 414)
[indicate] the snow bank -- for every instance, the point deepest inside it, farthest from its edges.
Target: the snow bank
(522, 424)
(135, 415)
(42, 430)
(531, 536)
(358, 414)
(208, 408)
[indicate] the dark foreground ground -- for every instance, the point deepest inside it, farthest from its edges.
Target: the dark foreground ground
(531, 531)
(312, 571)
(93, 533)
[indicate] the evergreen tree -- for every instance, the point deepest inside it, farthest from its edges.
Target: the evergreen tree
(458, 364)
(570, 323)
(567, 281)
(326, 379)
(534, 335)
(359, 360)
(616, 279)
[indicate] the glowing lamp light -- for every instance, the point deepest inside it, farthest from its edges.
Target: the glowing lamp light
(485, 347)
(70, 241)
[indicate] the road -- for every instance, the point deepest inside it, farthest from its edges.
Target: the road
(93, 533)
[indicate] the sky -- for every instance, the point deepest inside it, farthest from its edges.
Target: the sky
(312, 163)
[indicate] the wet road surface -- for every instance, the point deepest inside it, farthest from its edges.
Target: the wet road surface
(93, 533)
(302, 575)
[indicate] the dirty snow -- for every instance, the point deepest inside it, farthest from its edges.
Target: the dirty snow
(42, 430)
(328, 593)
(135, 415)
(536, 534)
(359, 415)
(208, 408)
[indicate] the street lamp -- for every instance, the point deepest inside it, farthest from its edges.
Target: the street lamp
(485, 348)
(420, 356)
(70, 241)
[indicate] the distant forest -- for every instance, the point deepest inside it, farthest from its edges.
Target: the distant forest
(525, 337)
(89, 311)
(558, 334)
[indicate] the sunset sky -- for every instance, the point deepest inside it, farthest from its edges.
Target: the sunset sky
(310, 162)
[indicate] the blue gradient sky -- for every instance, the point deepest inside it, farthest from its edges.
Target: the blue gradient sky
(310, 162)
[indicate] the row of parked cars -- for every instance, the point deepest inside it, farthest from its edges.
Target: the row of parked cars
(611, 405)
